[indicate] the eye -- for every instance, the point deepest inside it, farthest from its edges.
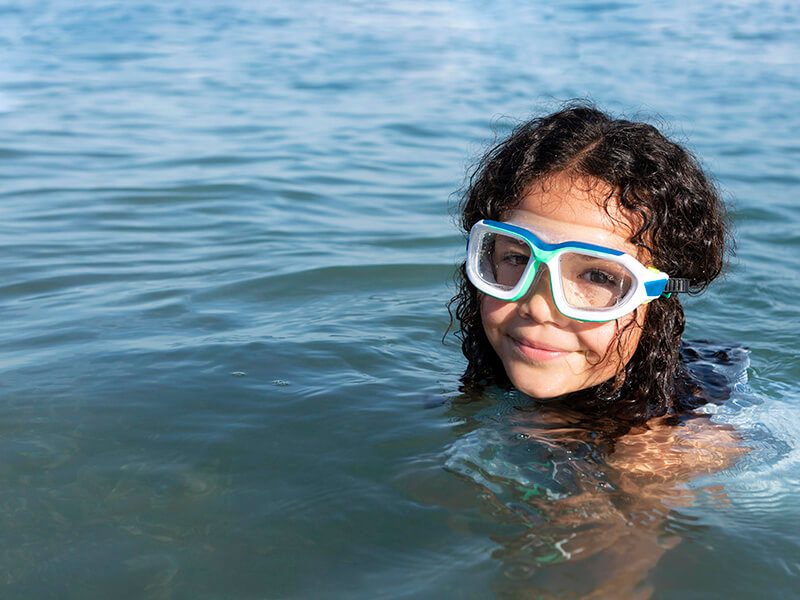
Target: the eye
(515, 259)
(598, 277)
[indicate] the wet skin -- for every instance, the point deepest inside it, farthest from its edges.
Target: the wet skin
(546, 354)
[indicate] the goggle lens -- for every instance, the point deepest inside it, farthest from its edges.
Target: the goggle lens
(593, 283)
(503, 259)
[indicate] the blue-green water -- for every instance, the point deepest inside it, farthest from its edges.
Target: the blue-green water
(228, 244)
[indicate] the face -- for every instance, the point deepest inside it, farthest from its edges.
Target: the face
(546, 354)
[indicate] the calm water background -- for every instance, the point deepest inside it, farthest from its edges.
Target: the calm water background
(227, 246)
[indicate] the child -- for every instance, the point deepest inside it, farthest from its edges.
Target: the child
(548, 302)
(583, 231)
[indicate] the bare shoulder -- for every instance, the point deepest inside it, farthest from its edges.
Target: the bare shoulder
(663, 452)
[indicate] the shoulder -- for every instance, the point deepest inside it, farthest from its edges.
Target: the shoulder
(664, 451)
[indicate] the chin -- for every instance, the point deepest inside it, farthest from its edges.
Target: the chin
(545, 396)
(541, 389)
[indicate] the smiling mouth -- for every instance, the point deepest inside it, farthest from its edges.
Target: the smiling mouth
(536, 353)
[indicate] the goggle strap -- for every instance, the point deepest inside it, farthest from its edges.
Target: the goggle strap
(676, 285)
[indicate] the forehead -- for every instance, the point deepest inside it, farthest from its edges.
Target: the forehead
(564, 208)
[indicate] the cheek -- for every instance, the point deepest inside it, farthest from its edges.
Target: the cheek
(598, 340)
(494, 314)
(602, 340)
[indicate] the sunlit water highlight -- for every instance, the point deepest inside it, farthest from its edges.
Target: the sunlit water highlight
(228, 247)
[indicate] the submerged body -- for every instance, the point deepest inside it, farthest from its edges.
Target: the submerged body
(609, 537)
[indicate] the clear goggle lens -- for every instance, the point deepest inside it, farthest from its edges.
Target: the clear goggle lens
(588, 281)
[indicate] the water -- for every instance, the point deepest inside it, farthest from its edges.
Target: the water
(228, 245)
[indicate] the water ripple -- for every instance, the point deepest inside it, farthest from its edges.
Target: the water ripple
(202, 204)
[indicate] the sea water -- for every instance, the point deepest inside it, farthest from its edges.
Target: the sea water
(228, 243)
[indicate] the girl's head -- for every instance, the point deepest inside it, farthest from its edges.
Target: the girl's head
(579, 175)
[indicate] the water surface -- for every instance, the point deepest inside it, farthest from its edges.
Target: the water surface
(228, 247)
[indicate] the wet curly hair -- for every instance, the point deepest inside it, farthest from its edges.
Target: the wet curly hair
(682, 226)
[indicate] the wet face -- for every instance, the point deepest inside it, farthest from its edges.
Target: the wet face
(546, 354)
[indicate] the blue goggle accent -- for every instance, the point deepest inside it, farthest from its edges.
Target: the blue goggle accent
(550, 247)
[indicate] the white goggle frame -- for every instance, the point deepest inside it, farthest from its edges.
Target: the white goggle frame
(648, 282)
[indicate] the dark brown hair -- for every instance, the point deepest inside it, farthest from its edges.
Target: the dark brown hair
(682, 227)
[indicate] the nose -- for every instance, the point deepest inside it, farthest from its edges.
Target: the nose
(538, 304)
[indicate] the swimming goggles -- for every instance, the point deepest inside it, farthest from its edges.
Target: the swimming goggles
(588, 282)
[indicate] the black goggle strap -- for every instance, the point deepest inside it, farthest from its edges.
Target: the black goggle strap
(676, 285)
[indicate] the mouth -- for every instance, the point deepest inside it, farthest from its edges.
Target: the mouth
(536, 351)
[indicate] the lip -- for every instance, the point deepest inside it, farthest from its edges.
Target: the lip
(536, 351)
